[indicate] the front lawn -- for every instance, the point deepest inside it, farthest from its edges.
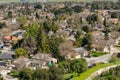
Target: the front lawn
(118, 47)
(97, 54)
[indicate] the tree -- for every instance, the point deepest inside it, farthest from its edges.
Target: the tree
(1, 78)
(38, 6)
(41, 74)
(114, 15)
(9, 14)
(65, 47)
(65, 66)
(42, 43)
(54, 43)
(78, 34)
(79, 65)
(23, 21)
(37, 16)
(50, 26)
(2, 25)
(87, 41)
(81, 21)
(78, 38)
(55, 73)
(20, 52)
(65, 10)
(77, 9)
(105, 22)
(106, 33)
(30, 36)
(92, 18)
(0, 51)
(86, 28)
(25, 74)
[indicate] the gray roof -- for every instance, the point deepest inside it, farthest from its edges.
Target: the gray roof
(42, 56)
(80, 49)
(7, 55)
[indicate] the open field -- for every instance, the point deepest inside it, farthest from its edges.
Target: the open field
(7, 1)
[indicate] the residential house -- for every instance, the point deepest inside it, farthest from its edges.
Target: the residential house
(100, 44)
(113, 20)
(117, 41)
(63, 24)
(7, 55)
(21, 62)
(72, 55)
(14, 20)
(83, 52)
(99, 27)
(42, 60)
(3, 64)
(1, 44)
(62, 33)
(50, 15)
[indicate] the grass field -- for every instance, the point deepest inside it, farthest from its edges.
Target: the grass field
(87, 73)
(55, 0)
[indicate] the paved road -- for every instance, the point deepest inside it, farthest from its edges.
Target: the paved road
(104, 58)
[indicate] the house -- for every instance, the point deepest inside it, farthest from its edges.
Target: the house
(21, 62)
(1, 44)
(50, 15)
(7, 38)
(18, 34)
(3, 64)
(7, 55)
(72, 55)
(113, 20)
(100, 44)
(81, 51)
(6, 47)
(14, 20)
(62, 33)
(99, 27)
(63, 24)
(97, 32)
(42, 60)
(117, 41)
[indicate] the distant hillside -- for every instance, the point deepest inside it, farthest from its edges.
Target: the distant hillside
(7, 1)
(79, 0)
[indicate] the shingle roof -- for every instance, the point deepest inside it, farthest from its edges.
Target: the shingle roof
(42, 56)
(2, 64)
(7, 55)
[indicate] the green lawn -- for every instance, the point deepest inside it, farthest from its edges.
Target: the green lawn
(87, 73)
(118, 47)
(97, 54)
